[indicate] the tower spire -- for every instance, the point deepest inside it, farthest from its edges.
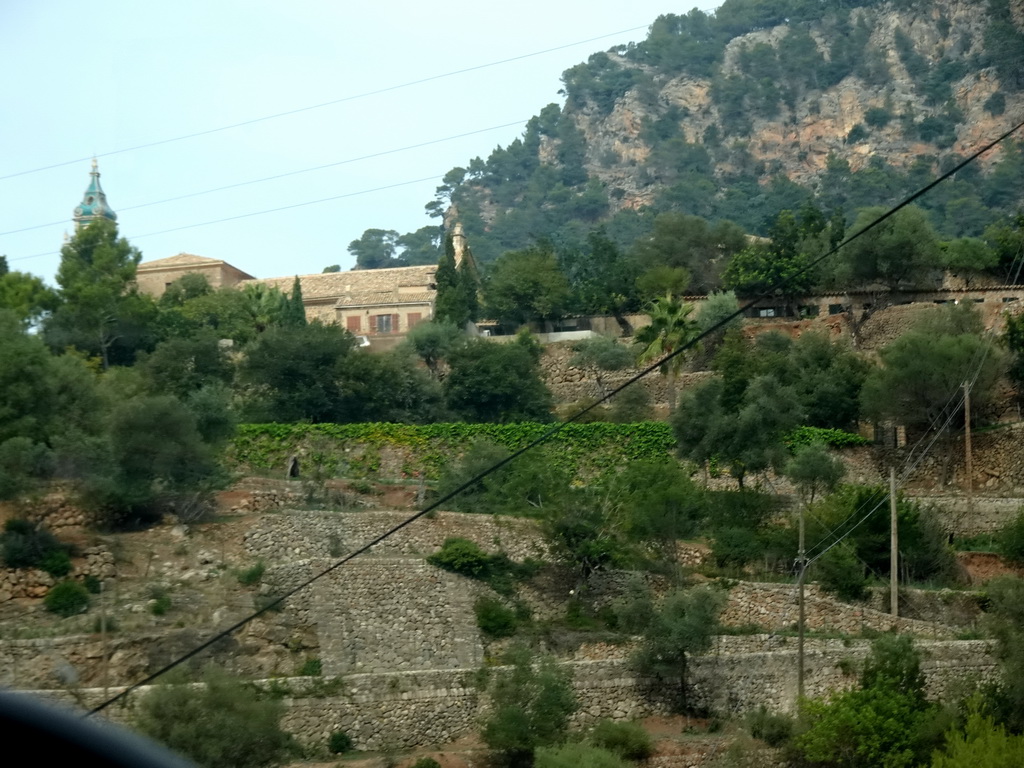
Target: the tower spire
(94, 202)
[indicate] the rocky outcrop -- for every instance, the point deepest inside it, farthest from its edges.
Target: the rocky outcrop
(801, 137)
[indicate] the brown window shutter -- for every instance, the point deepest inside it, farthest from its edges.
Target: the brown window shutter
(412, 319)
(394, 323)
(353, 323)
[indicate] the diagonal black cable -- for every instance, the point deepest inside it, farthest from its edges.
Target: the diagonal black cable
(768, 292)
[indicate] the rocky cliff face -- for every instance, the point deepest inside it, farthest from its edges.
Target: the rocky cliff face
(798, 140)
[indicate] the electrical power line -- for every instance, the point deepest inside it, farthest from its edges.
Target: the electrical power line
(768, 292)
(286, 174)
(930, 435)
(432, 177)
(321, 105)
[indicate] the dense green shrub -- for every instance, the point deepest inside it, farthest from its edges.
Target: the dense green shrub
(856, 134)
(494, 618)
(252, 575)
(67, 598)
(576, 755)
(1010, 539)
(860, 515)
(627, 740)
(339, 743)
(734, 547)
(533, 701)
(877, 117)
(160, 601)
(311, 668)
(463, 557)
(773, 728)
(498, 571)
(25, 545)
(841, 573)
(222, 724)
(57, 563)
(995, 104)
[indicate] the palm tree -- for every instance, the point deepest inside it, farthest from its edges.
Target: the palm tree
(265, 306)
(670, 328)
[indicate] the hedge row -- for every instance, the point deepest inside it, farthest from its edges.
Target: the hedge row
(587, 448)
(428, 447)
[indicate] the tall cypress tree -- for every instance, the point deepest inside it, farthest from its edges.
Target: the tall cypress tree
(456, 300)
(295, 312)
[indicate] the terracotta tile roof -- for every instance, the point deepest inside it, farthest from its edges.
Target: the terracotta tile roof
(181, 260)
(385, 297)
(362, 286)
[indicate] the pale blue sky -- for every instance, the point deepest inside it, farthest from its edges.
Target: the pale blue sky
(94, 78)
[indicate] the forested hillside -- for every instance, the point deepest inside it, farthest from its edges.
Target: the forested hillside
(738, 116)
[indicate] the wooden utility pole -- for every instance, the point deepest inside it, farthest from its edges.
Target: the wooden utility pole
(103, 640)
(802, 562)
(893, 547)
(969, 459)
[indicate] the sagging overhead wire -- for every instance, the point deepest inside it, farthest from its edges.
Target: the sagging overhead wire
(277, 176)
(250, 214)
(768, 292)
(321, 105)
(929, 437)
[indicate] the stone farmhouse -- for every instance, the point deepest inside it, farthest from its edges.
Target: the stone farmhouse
(382, 304)
(367, 302)
(372, 302)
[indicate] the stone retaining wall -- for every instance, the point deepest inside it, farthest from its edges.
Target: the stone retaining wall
(296, 535)
(379, 614)
(407, 709)
(569, 384)
(57, 511)
(24, 582)
(15, 583)
(774, 607)
(987, 514)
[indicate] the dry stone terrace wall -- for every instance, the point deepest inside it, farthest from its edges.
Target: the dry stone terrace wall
(998, 462)
(295, 535)
(408, 709)
(569, 384)
(384, 614)
(774, 607)
(734, 683)
(987, 514)
(32, 582)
